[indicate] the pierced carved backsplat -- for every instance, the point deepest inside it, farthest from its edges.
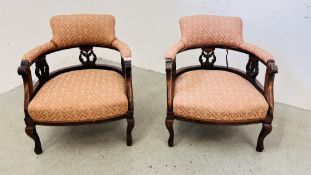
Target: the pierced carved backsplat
(87, 56)
(42, 69)
(252, 68)
(207, 54)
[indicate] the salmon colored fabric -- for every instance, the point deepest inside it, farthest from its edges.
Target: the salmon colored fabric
(204, 31)
(81, 29)
(79, 96)
(219, 96)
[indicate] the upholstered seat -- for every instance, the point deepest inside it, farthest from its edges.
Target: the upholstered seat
(81, 95)
(214, 95)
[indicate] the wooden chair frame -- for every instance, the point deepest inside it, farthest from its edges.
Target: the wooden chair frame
(250, 75)
(43, 74)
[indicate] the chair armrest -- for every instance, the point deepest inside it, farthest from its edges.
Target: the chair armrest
(271, 70)
(124, 50)
(36, 52)
(260, 53)
(170, 82)
(25, 72)
(127, 71)
(176, 48)
(170, 63)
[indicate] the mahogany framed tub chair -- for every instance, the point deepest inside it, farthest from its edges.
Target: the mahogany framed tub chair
(214, 94)
(82, 94)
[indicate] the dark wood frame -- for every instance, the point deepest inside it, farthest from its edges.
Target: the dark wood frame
(42, 71)
(250, 75)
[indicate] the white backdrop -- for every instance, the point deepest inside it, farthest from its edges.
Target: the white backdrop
(149, 27)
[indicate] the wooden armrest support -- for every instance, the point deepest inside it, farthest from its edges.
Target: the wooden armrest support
(170, 81)
(127, 71)
(25, 72)
(271, 70)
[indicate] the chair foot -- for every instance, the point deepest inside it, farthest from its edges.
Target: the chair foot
(130, 126)
(266, 129)
(169, 125)
(32, 133)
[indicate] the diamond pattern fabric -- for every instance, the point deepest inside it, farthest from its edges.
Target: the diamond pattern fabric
(81, 29)
(207, 31)
(75, 30)
(81, 95)
(38, 51)
(204, 30)
(217, 96)
(257, 51)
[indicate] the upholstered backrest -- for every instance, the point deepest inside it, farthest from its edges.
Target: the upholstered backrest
(206, 30)
(75, 30)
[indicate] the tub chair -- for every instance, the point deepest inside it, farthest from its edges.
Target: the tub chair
(82, 94)
(214, 94)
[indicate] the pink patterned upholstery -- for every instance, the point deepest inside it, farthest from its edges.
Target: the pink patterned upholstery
(76, 30)
(80, 96)
(176, 48)
(205, 31)
(212, 95)
(39, 50)
(122, 47)
(257, 51)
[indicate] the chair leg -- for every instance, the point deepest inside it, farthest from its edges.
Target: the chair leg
(32, 133)
(130, 126)
(169, 125)
(266, 129)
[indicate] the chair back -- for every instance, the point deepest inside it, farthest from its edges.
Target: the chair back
(203, 31)
(83, 29)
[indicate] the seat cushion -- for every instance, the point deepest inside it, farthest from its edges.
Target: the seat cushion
(81, 95)
(220, 96)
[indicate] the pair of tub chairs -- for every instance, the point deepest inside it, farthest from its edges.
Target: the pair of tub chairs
(91, 93)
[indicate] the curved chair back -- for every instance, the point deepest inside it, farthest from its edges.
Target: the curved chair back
(77, 30)
(80, 30)
(207, 31)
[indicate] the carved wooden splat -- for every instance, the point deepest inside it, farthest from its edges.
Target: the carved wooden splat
(87, 56)
(252, 68)
(42, 69)
(207, 54)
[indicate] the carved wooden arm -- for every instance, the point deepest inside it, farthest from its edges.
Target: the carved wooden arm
(271, 70)
(127, 71)
(25, 72)
(170, 81)
(37, 56)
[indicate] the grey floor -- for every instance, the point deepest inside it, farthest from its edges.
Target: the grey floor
(199, 149)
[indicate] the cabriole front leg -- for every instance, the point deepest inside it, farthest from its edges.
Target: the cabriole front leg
(169, 125)
(130, 126)
(271, 70)
(170, 79)
(266, 129)
(32, 133)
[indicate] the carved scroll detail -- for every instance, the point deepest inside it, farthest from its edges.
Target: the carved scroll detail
(252, 68)
(207, 54)
(87, 56)
(42, 69)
